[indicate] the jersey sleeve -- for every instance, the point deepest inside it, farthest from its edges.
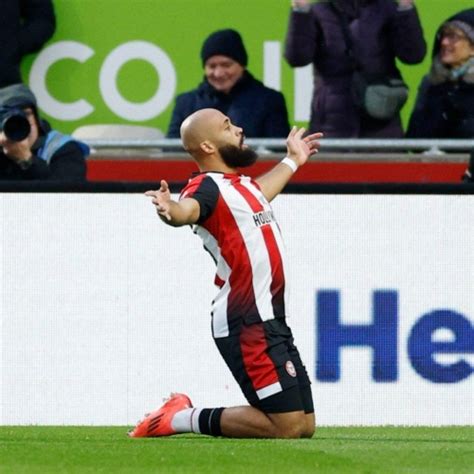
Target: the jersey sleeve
(205, 191)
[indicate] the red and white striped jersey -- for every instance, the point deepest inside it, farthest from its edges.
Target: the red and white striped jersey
(239, 230)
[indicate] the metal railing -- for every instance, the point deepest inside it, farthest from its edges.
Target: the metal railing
(277, 144)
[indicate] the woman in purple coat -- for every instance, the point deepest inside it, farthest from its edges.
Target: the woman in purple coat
(340, 37)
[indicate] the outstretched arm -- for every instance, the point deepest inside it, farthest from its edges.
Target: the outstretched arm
(299, 149)
(405, 34)
(172, 212)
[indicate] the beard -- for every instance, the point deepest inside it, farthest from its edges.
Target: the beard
(236, 157)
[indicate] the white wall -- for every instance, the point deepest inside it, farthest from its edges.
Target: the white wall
(104, 310)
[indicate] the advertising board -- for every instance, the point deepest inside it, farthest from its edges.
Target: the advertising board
(105, 310)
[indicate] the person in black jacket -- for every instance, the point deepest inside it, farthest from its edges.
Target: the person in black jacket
(30, 150)
(25, 26)
(445, 103)
(230, 88)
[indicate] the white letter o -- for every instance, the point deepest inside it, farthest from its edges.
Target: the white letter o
(108, 80)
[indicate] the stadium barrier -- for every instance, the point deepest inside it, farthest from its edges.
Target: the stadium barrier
(105, 310)
(340, 160)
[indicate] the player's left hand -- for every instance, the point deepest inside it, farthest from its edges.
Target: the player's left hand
(299, 149)
(161, 200)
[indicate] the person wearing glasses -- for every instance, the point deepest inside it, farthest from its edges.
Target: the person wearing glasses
(444, 106)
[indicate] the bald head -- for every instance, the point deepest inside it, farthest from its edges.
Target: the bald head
(199, 127)
(207, 134)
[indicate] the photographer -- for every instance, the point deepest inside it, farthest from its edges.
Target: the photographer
(30, 149)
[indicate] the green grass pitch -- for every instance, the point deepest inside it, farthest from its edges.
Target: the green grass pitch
(332, 450)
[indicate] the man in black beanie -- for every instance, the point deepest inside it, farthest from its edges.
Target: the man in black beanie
(230, 88)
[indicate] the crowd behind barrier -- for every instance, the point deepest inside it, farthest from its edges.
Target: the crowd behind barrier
(375, 156)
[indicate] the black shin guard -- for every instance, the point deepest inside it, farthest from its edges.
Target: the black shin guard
(210, 421)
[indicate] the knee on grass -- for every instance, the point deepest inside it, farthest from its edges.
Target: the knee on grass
(297, 428)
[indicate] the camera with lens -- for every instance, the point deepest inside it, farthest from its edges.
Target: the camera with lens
(14, 123)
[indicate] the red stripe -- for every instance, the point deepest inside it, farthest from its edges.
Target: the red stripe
(192, 186)
(258, 365)
(219, 282)
(135, 169)
(241, 300)
(277, 286)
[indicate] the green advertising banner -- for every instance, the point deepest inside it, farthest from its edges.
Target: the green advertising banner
(124, 61)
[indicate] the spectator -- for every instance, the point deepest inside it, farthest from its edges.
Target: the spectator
(230, 88)
(352, 43)
(30, 149)
(445, 103)
(25, 25)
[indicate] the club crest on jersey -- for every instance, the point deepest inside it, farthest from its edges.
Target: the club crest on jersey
(263, 218)
(290, 368)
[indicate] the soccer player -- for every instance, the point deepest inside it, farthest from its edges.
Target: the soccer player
(232, 215)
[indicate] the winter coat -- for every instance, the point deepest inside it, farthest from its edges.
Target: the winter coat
(259, 110)
(380, 33)
(444, 106)
(444, 110)
(56, 157)
(25, 25)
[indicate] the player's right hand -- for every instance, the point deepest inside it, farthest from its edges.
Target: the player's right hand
(299, 149)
